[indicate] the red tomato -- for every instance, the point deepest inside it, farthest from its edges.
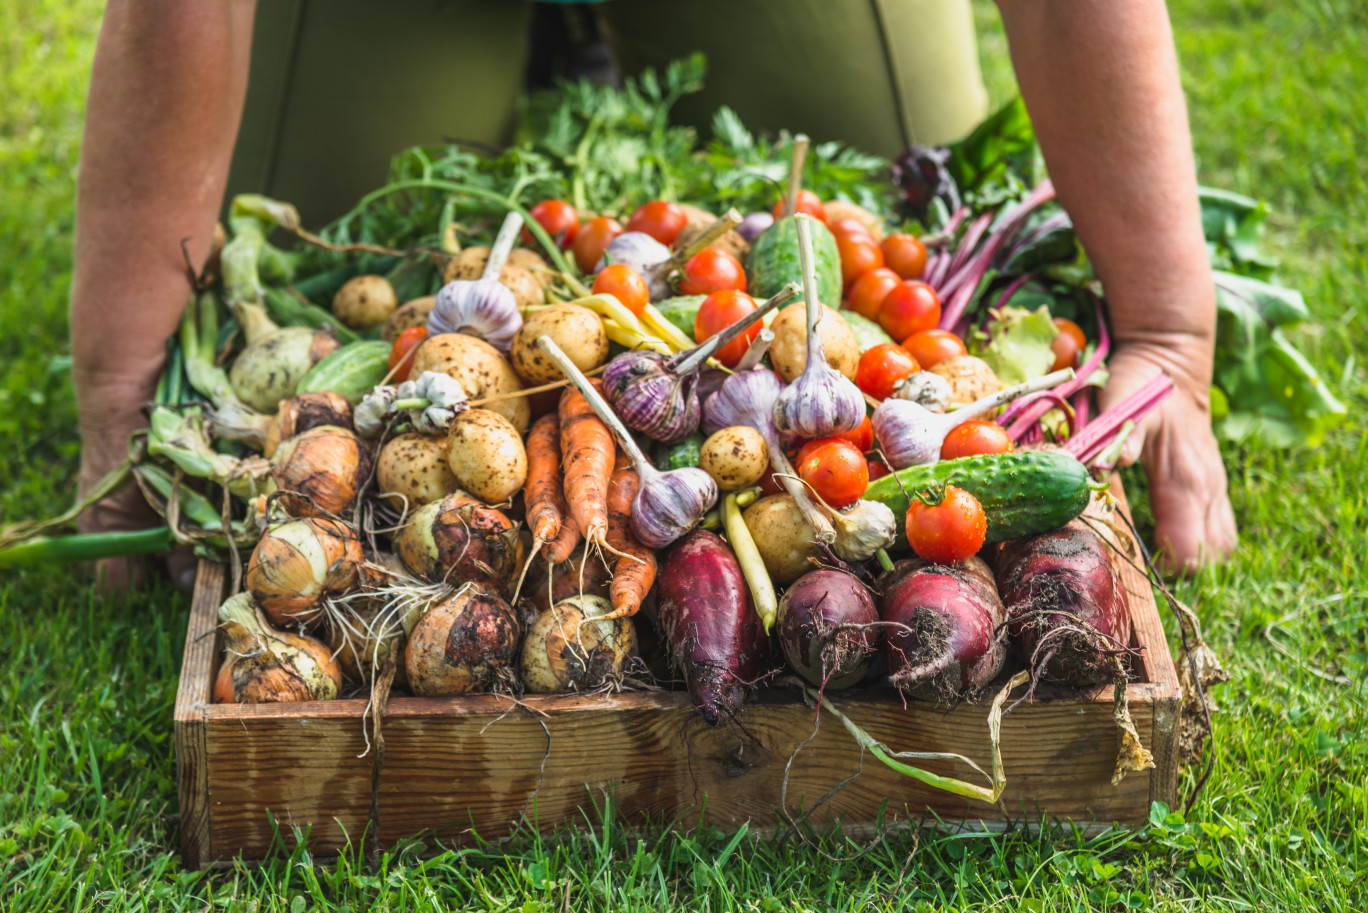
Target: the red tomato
(720, 310)
(592, 240)
(974, 437)
(850, 227)
(882, 367)
(862, 437)
(836, 471)
(931, 346)
(769, 485)
(1068, 346)
(808, 202)
(905, 255)
(859, 255)
(711, 270)
(950, 531)
(808, 446)
(625, 284)
(558, 218)
(878, 469)
(911, 306)
(868, 292)
(404, 344)
(659, 219)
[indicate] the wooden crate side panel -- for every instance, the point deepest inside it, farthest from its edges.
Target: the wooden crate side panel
(192, 695)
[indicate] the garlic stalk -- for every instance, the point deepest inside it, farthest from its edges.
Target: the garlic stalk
(822, 401)
(668, 504)
(484, 307)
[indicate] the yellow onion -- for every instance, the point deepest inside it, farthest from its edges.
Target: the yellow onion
(263, 665)
(305, 411)
(321, 471)
(459, 540)
(569, 649)
(298, 563)
(363, 636)
(465, 644)
(553, 582)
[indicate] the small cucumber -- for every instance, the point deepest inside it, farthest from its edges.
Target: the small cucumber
(1021, 493)
(352, 370)
(868, 334)
(681, 311)
(678, 456)
(773, 262)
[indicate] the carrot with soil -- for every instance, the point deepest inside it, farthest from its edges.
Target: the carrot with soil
(636, 568)
(587, 459)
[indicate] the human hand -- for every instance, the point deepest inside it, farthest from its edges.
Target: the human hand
(1193, 520)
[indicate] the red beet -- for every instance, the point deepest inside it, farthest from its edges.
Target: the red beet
(1068, 611)
(707, 618)
(809, 614)
(949, 640)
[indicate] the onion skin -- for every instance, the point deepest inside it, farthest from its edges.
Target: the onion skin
(564, 652)
(363, 650)
(262, 665)
(296, 564)
(459, 540)
(464, 645)
(952, 616)
(270, 369)
(321, 471)
(706, 615)
(303, 412)
(811, 610)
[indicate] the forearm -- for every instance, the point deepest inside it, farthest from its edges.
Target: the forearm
(1100, 79)
(167, 88)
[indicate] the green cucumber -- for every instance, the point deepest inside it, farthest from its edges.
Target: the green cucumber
(678, 456)
(868, 334)
(682, 311)
(773, 262)
(352, 370)
(1021, 493)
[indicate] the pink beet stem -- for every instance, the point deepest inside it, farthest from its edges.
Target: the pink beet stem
(1094, 439)
(1012, 289)
(1082, 402)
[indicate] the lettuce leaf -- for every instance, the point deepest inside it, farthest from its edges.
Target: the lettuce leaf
(1017, 344)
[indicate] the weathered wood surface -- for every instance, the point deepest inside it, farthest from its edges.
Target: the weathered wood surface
(484, 762)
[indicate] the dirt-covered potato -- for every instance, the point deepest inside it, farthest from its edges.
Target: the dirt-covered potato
(695, 217)
(480, 369)
(577, 330)
(407, 315)
(486, 455)
(735, 457)
(969, 377)
(783, 537)
(415, 466)
(788, 352)
(840, 209)
(731, 242)
(516, 274)
(364, 302)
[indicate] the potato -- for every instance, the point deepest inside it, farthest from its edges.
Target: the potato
(526, 287)
(696, 217)
(479, 367)
(783, 537)
(409, 314)
(415, 466)
(840, 209)
(486, 455)
(735, 457)
(364, 302)
(969, 377)
(577, 330)
(788, 352)
(731, 242)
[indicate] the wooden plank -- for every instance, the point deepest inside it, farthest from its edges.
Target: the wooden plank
(192, 696)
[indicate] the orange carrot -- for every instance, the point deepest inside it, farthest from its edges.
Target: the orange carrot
(544, 495)
(636, 568)
(587, 448)
(559, 548)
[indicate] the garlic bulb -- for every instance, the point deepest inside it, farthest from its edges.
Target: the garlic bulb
(926, 389)
(429, 403)
(484, 307)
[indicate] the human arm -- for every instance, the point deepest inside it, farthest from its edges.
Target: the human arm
(1100, 80)
(166, 94)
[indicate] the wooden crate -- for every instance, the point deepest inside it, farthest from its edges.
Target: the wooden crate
(479, 762)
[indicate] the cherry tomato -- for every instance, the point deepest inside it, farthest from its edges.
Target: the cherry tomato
(910, 307)
(859, 255)
(625, 284)
(558, 218)
(404, 344)
(836, 471)
(808, 446)
(592, 240)
(720, 310)
(849, 227)
(769, 485)
(931, 346)
(1068, 346)
(882, 367)
(867, 293)
(975, 437)
(862, 437)
(659, 219)
(905, 255)
(711, 270)
(950, 531)
(808, 202)
(878, 469)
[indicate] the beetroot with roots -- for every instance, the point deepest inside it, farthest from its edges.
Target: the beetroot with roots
(1069, 615)
(943, 637)
(828, 628)
(706, 615)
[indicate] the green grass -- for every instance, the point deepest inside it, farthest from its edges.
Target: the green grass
(87, 796)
